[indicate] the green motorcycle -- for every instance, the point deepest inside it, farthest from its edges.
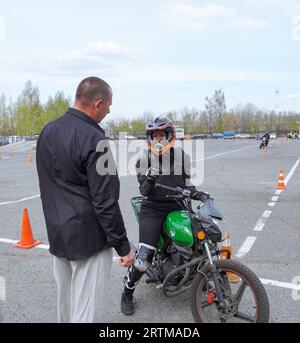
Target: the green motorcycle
(189, 257)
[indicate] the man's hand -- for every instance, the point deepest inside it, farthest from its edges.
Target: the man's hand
(126, 261)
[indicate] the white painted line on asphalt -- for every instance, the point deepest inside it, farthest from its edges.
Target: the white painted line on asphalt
(266, 214)
(9, 241)
(250, 241)
(259, 226)
(43, 246)
(263, 219)
(117, 259)
(224, 153)
(206, 158)
(246, 247)
(290, 174)
(21, 200)
(12, 241)
(281, 284)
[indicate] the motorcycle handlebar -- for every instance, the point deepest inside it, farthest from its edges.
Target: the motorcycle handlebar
(182, 192)
(168, 188)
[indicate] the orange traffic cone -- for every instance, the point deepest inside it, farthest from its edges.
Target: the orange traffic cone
(226, 245)
(27, 241)
(232, 278)
(281, 184)
(29, 159)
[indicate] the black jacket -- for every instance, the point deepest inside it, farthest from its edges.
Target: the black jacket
(80, 206)
(177, 174)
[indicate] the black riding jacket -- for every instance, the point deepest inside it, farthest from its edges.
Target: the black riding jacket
(174, 171)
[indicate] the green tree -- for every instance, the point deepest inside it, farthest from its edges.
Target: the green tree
(124, 125)
(216, 108)
(55, 107)
(28, 111)
(138, 126)
(5, 124)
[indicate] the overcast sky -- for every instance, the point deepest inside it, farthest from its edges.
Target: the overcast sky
(156, 55)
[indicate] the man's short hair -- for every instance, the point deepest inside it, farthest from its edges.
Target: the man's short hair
(92, 88)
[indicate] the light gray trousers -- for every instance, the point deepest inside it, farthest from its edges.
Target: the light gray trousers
(82, 288)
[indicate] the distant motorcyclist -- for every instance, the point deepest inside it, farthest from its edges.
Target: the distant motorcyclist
(265, 139)
(165, 164)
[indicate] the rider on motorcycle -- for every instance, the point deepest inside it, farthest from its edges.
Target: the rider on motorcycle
(162, 163)
(267, 138)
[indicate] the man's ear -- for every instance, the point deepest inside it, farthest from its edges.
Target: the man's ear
(98, 103)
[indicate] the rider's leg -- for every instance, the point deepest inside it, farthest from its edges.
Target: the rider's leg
(141, 263)
(150, 225)
(151, 222)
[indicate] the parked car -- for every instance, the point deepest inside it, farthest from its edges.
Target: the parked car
(229, 135)
(273, 135)
(29, 138)
(243, 136)
(217, 135)
(201, 136)
(141, 137)
(113, 137)
(128, 137)
(179, 133)
(4, 140)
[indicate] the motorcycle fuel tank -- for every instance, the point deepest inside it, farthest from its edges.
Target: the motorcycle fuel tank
(179, 228)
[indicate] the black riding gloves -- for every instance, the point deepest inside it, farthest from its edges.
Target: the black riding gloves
(202, 196)
(151, 175)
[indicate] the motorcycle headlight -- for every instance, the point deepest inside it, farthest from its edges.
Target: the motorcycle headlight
(222, 227)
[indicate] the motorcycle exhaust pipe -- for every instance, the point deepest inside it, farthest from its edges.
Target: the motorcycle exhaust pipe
(180, 288)
(172, 291)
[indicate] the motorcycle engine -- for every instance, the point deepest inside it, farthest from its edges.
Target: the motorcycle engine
(177, 257)
(165, 268)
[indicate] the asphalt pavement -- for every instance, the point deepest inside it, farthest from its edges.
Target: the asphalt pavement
(264, 227)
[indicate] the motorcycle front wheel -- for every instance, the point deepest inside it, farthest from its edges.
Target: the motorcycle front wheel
(245, 298)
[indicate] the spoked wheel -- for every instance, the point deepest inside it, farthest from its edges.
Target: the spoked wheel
(245, 298)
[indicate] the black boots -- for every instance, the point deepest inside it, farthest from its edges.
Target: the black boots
(126, 303)
(142, 262)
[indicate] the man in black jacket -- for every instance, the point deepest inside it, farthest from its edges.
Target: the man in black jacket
(80, 204)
